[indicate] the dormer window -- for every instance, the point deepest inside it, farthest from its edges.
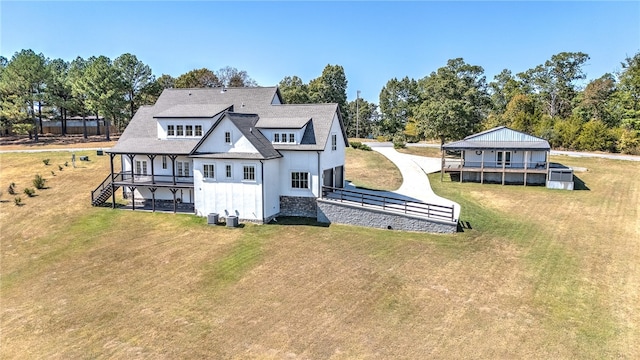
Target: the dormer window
(179, 130)
(188, 130)
(198, 130)
(284, 138)
(171, 130)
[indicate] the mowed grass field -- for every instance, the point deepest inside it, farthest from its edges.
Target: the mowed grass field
(541, 274)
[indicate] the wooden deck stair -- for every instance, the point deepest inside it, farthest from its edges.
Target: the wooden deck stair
(104, 191)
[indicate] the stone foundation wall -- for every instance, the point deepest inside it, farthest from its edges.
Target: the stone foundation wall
(164, 204)
(342, 213)
(298, 206)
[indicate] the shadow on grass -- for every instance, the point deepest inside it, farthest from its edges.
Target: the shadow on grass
(464, 225)
(578, 184)
(294, 220)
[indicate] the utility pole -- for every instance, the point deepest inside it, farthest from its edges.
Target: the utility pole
(357, 112)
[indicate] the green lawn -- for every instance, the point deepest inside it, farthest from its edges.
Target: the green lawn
(541, 274)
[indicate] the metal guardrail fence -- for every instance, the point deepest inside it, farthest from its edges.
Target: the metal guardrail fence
(396, 204)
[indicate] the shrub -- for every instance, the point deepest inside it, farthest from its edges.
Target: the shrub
(39, 182)
(60, 167)
(358, 145)
(66, 163)
(381, 138)
(12, 189)
(399, 142)
(53, 173)
(46, 161)
(29, 192)
(17, 200)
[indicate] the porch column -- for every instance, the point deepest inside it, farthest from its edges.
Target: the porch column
(151, 158)
(131, 156)
(113, 187)
(504, 162)
(153, 198)
(482, 169)
(175, 206)
(133, 197)
(173, 167)
(461, 164)
(526, 166)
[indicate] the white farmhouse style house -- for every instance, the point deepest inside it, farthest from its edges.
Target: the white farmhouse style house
(231, 151)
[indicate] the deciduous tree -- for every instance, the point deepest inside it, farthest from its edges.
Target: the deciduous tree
(455, 101)
(198, 78)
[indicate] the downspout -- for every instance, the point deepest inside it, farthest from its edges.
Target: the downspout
(262, 190)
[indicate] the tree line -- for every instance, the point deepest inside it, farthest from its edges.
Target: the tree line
(450, 103)
(34, 87)
(455, 101)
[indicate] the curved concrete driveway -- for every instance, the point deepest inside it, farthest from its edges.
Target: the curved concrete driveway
(414, 170)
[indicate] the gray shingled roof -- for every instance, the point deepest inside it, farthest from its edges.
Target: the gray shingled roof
(282, 123)
(193, 111)
(140, 136)
(500, 137)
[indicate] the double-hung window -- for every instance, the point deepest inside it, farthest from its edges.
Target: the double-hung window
(249, 173)
(141, 168)
(276, 137)
(292, 138)
(208, 171)
(171, 130)
(227, 170)
(300, 180)
(179, 130)
(198, 130)
(188, 130)
(334, 142)
(227, 137)
(182, 168)
(164, 161)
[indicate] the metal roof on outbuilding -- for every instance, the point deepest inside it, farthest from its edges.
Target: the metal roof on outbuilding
(500, 137)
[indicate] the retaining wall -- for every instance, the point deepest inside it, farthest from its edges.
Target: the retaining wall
(344, 213)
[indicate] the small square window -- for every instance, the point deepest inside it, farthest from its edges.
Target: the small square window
(249, 173)
(189, 130)
(179, 130)
(227, 137)
(198, 130)
(171, 130)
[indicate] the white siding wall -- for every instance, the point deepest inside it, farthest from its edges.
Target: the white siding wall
(334, 158)
(226, 196)
(298, 161)
(272, 180)
(215, 142)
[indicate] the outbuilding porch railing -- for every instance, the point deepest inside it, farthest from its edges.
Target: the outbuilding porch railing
(456, 164)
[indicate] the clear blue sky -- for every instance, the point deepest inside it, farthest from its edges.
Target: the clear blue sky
(373, 41)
